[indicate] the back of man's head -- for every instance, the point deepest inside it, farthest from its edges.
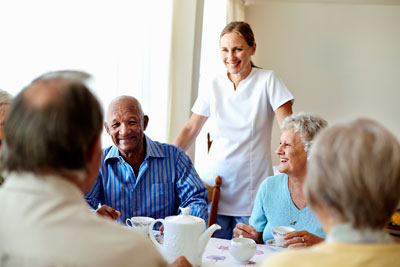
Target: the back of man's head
(51, 125)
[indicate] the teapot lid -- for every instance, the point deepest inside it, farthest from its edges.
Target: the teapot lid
(184, 217)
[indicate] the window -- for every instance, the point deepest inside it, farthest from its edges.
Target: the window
(124, 44)
(214, 20)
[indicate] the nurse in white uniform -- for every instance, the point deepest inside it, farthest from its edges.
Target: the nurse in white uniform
(241, 103)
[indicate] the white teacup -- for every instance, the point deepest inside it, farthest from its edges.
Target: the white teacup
(140, 223)
(278, 232)
(242, 249)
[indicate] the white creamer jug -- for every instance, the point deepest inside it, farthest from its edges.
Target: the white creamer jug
(184, 235)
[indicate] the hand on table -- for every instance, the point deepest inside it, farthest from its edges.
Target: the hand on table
(107, 211)
(247, 231)
(181, 262)
(301, 239)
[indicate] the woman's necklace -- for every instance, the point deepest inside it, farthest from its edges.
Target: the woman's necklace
(291, 220)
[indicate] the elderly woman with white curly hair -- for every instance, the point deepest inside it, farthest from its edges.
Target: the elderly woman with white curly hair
(353, 185)
(280, 200)
(5, 100)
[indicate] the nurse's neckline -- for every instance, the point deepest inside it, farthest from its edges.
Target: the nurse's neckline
(235, 86)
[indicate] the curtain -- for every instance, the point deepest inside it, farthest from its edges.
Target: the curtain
(235, 10)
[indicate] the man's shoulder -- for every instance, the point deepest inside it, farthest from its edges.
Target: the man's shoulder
(131, 241)
(160, 149)
(123, 240)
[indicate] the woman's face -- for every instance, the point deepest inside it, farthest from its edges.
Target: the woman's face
(292, 157)
(236, 53)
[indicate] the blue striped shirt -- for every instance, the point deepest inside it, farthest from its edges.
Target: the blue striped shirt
(167, 180)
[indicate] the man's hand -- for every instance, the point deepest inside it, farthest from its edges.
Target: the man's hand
(107, 211)
(181, 262)
(247, 231)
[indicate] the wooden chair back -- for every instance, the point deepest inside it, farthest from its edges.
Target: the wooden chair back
(214, 192)
(209, 142)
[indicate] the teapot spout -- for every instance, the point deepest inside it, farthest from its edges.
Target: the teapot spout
(203, 240)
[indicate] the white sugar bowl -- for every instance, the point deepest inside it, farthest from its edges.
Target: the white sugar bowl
(242, 249)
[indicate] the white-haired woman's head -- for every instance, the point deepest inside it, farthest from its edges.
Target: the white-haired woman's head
(354, 174)
(306, 124)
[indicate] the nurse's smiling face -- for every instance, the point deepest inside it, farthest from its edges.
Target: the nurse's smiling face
(236, 53)
(292, 157)
(126, 125)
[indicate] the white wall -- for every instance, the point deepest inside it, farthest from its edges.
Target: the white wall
(185, 63)
(341, 61)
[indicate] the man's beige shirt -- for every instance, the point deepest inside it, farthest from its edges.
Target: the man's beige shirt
(45, 221)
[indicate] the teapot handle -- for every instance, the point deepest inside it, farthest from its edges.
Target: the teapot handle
(151, 233)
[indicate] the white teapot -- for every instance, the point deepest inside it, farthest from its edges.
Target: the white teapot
(184, 235)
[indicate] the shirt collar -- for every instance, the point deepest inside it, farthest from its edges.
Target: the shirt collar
(153, 149)
(346, 233)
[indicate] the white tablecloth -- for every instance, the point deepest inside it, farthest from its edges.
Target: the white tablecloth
(217, 254)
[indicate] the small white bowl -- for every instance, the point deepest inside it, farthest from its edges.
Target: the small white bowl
(278, 232)
(242, 249)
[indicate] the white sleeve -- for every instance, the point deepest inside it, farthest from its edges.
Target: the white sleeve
(278, 93)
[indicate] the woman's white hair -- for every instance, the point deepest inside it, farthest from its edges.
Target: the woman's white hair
(5, 98)
(354, 174)
(306, 124)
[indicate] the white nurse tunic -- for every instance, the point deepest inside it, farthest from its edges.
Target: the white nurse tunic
(240, 124)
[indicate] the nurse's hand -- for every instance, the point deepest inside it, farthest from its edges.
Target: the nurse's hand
(248, 231)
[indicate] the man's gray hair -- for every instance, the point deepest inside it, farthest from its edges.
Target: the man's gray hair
(306, 124)
(354, 174)
(54, 132)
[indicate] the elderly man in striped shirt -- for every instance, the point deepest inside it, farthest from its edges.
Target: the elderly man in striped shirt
(142, 177)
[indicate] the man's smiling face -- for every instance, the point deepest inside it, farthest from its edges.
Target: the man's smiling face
(126, 125)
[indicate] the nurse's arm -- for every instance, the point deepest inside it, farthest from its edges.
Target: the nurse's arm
(190, 131)
(283, 111)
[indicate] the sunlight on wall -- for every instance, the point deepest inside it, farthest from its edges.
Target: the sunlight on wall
(214, 21)
(124, 44)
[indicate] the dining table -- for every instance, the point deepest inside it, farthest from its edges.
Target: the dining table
(217, 254)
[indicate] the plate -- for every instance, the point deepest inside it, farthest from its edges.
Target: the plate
(271, 242)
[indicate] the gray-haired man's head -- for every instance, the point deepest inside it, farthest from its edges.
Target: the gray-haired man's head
(52, 125)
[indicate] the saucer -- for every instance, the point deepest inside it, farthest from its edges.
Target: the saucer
(271, 242)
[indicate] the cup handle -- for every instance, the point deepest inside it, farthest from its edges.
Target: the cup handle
(132, 225)
(151, 233)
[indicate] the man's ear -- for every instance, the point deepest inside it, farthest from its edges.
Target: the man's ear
(93, 159)
(145, 122)
(94, 150)
(106, 127)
